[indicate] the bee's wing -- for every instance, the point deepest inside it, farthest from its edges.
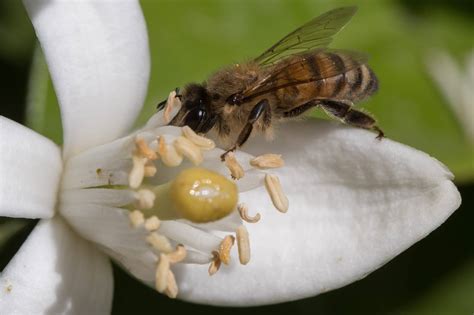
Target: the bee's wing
(317, 33)
(305, 68)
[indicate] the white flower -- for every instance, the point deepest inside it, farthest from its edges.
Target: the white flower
(355, 202)
(456, 86)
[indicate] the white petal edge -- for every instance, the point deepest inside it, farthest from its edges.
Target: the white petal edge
(355, 203)
(30, 170)
(97, 54)
(56, 272)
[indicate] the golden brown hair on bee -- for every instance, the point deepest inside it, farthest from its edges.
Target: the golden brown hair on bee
(295, 75)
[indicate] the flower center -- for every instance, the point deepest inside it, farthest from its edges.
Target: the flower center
(151, 179)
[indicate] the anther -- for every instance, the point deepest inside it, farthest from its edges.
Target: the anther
(202, 142)
(144, 150)
(136, 218)
(145, 199)
(267, 161)
(224, 249)
(215, 264)
(171, 288)
(170, 104)
(178, 255)
(279, 199)
(137, 173)
(188, 149)
(162, 273)
(243, 244)
(243, 211)
(149, 169)
(236, 170)
(168, 154)
(159, 242)
(152, 223)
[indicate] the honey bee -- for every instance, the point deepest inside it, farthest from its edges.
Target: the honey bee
(295, 75)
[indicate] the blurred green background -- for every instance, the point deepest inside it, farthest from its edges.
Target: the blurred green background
(190, 39)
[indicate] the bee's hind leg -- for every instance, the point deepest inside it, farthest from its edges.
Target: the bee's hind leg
(261, 110)
(300, 110)
(354, 117)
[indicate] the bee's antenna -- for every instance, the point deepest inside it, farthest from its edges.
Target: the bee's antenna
(161, 105)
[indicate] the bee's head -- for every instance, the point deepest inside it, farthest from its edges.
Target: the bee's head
(195, 111)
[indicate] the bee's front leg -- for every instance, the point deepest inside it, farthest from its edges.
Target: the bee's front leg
(262, 109)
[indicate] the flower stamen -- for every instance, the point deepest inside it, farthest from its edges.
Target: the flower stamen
(136, 218)
(170, 105)
(243, 211)
(145, 199)
(243, 244)
(152, 223)
(171, 288)
(168, 154)
(190, 150)
(135, 177)
(267, 161)
(149, 169)
(159, 242)
(202, 142)
(279, 199)
(162, 272)
(144, 150)
(224, 249)
(165, 281)
(215, 264)
(236, 170)
(178, 255)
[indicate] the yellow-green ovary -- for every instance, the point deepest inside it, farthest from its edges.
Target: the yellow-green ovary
(201, 195)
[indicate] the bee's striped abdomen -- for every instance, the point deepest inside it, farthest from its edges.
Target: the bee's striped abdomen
(342, 78)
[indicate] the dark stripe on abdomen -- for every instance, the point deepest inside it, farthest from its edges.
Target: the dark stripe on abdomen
(339, 80)
(315, 71)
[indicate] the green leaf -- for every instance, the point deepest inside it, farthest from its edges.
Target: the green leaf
(453, 294)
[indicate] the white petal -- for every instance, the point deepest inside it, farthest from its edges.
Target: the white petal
(55, 272)
(108, 164)
(98, 57)
(30, 170)
(110, 228)
(355, 203)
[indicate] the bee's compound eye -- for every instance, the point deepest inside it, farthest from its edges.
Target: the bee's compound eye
(195, 118)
